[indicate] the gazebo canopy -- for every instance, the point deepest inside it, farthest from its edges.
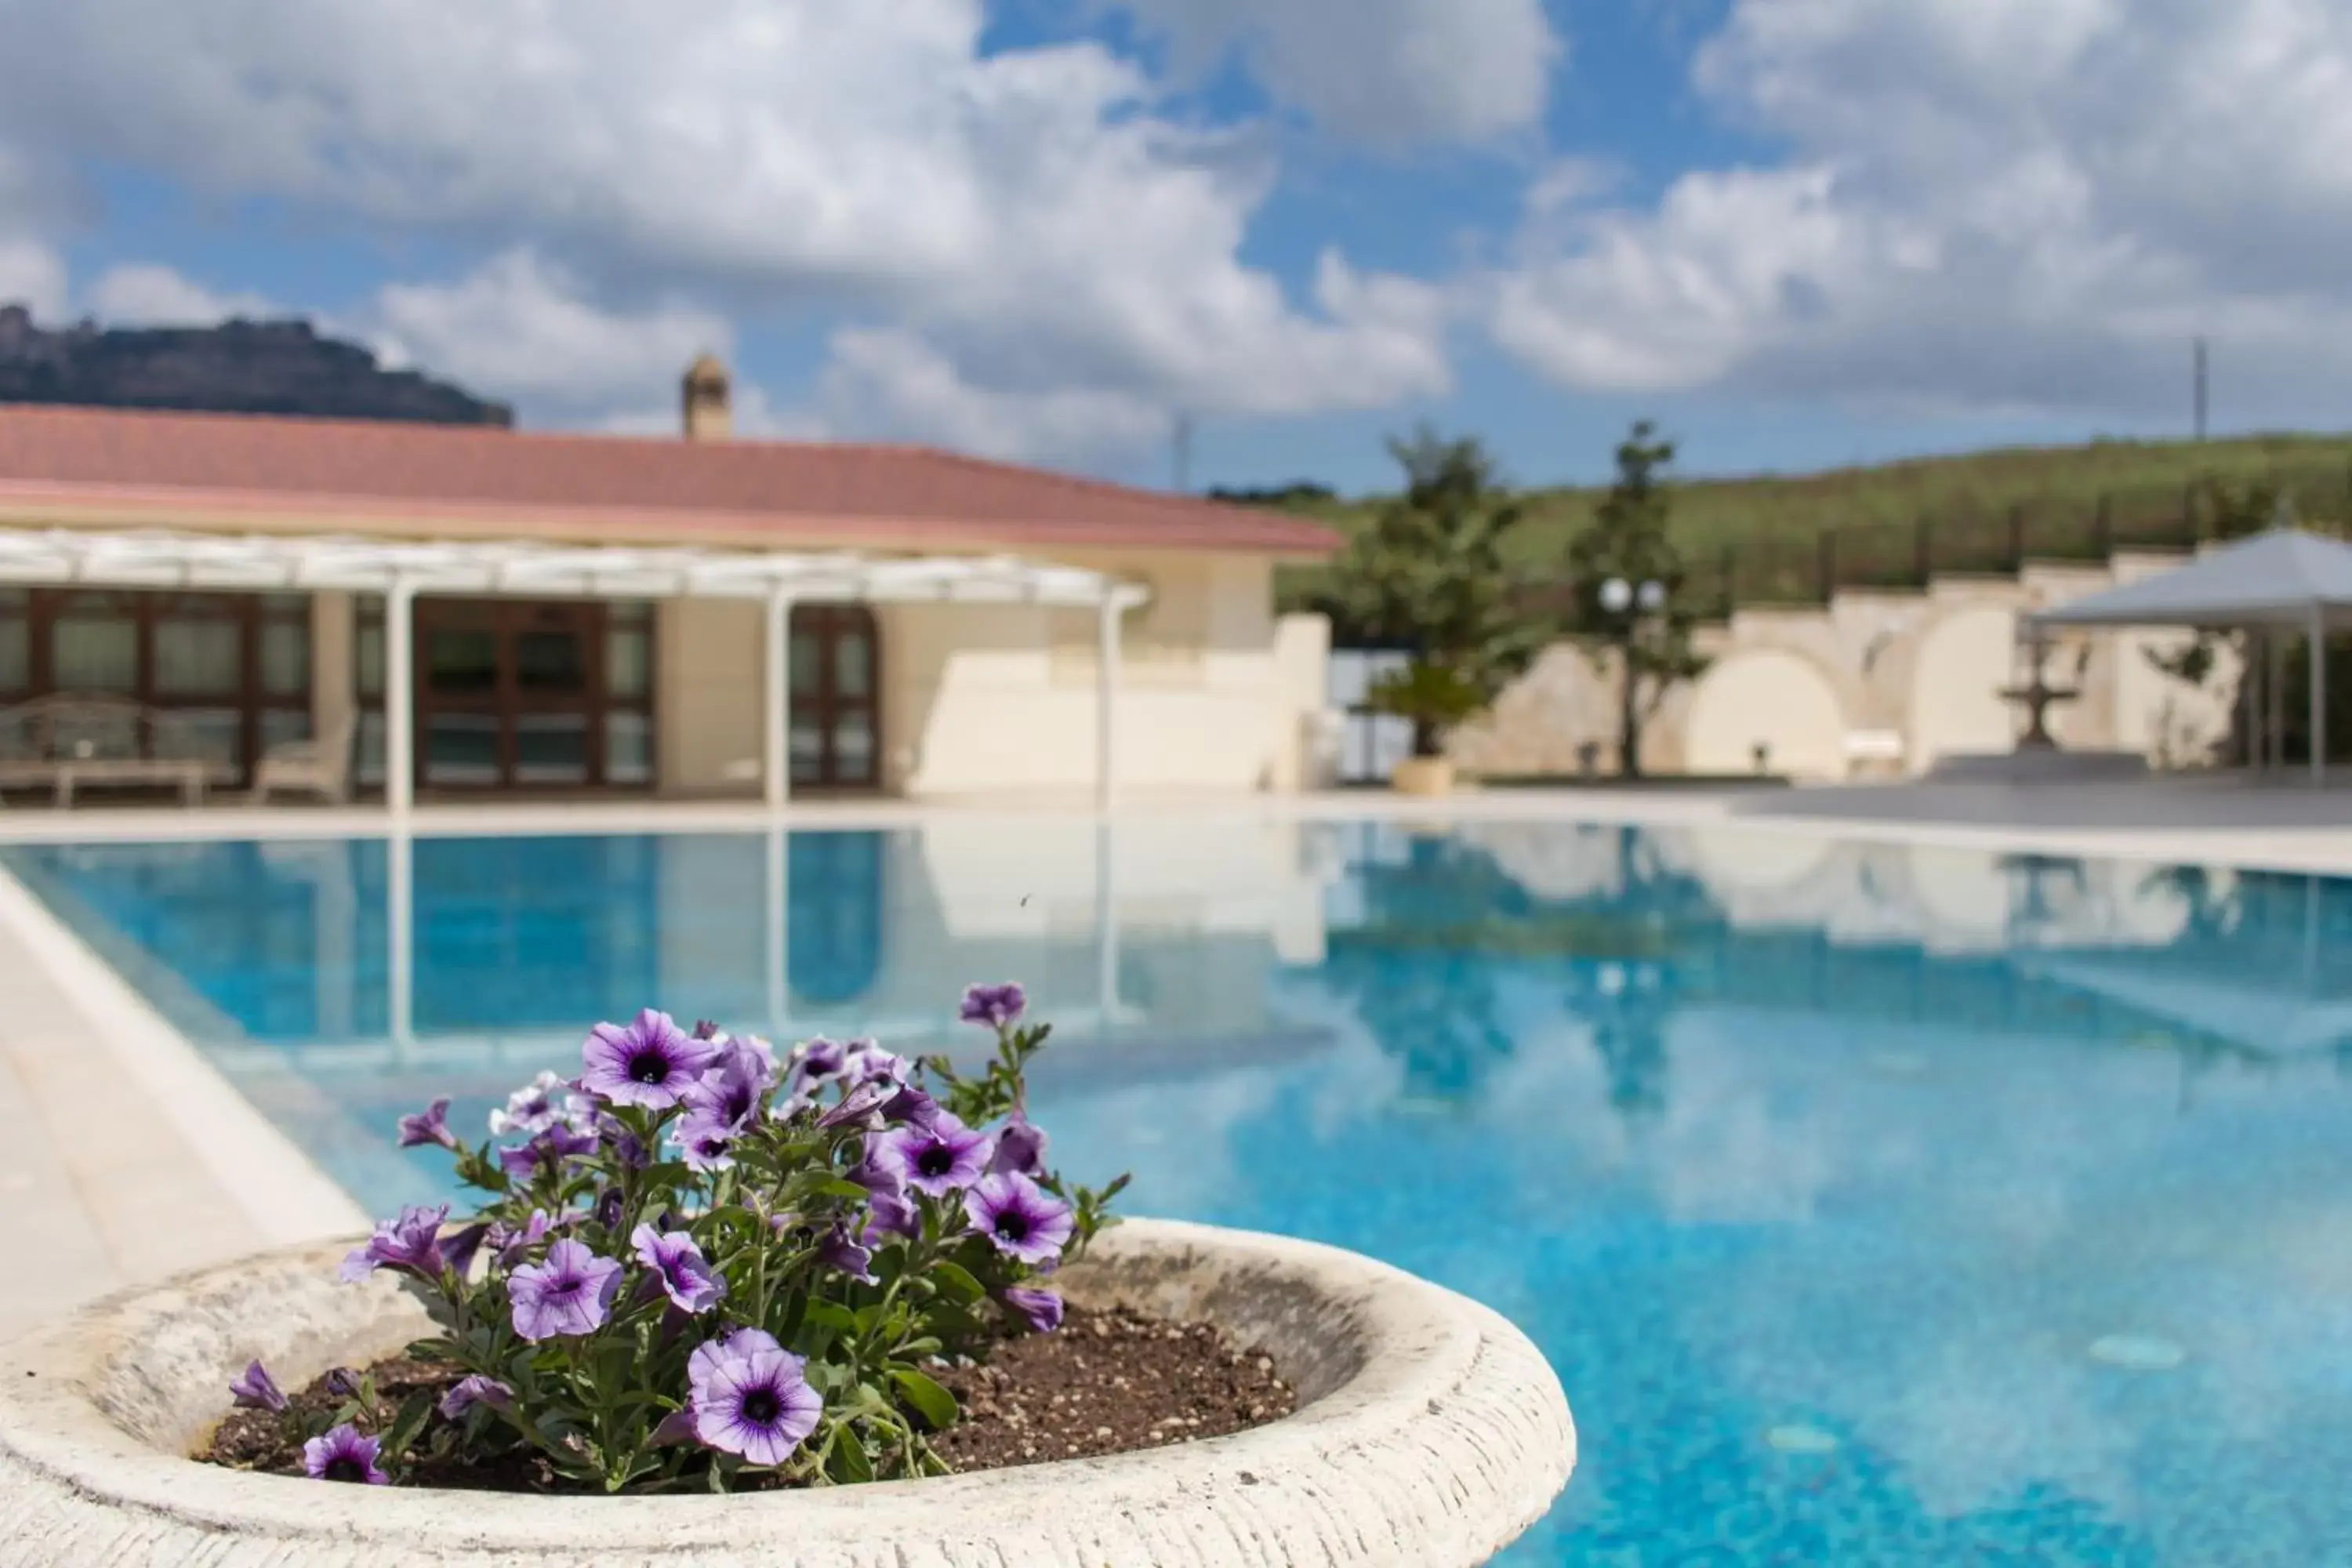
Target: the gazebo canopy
(2283, 579)
(2280, 577)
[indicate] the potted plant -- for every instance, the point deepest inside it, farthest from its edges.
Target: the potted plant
(721, 1305)
(1431, 575)
(1434, 697)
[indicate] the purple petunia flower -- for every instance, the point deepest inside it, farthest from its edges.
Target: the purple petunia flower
(819, 1059)
(936, 1159)
(410, 1242)
(838, 1250)
(755, 1402)
(1020, 1218)
(874, 1172)
(729, 1093)
(476, 1389)
(704, 1144)
(913, 1107)
(255, 1389)
(459, 1247)
(345, 1454)
(757, 1055)
(673, 1429)
(996, 1006)
(685, 1274)
(735, 1342)
(861, 1103)
(889, 1214)
(534, 1108)
(547, 1152)
(627, 1147)
(869, 1063)
(430, 1125)
(571, 1293)
(611, 1208)
(1041, 1310)
(704, 1029)
(648, 1062)
(343, 1383)
(1020, 1148)
(510, 1245)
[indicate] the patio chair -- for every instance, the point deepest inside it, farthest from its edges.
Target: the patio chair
(319, 766)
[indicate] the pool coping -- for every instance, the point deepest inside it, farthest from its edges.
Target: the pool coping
(280, 1190)
(2306, 849)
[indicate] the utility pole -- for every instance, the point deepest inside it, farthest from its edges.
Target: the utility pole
(2199, 392)
(1180, 454)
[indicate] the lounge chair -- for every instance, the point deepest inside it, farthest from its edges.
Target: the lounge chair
(321, 766)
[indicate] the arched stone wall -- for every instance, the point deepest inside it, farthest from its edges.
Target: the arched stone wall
(1769, 697)
(1963, 659)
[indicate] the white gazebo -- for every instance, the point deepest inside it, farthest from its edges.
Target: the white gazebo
(2283, 580)
(401, 571)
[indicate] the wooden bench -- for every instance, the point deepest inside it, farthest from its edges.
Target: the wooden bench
(67, 742)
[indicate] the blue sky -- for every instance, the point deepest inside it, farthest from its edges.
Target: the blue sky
(1800, 233)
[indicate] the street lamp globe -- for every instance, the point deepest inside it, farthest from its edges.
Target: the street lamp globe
(1616, 595)
(1654, 596)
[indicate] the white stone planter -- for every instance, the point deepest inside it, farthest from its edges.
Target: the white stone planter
(1431, 1433)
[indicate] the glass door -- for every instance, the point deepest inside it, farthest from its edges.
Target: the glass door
(835, 729)
(461, 695)
(553, 688)
(527, 693)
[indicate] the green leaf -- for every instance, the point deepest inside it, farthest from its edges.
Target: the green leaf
(414, 1413)
(832, 1315)
(934, 1403)
(956, 1282)
(847, 1462)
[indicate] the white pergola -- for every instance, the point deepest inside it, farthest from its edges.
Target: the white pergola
(402, 570)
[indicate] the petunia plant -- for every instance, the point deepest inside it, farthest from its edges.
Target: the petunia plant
(698, 1266)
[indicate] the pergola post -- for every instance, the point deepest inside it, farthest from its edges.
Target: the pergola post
(2273, 726)
(777, 702)
(2318, 693)
(400, 931)
(1107, 699)
(399, 696)
(1106, 921)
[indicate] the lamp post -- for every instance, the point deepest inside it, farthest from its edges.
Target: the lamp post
(1629, 604)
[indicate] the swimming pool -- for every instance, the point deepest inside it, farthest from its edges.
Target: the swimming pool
(1876, 1204)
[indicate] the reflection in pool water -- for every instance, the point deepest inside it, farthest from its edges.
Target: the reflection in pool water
(1876, 1204)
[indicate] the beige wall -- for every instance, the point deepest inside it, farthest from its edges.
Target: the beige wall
(1924, 667)
(708, 668)
(331, 692)
(991, 698)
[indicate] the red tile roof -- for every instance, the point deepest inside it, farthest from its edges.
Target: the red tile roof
(405, 477)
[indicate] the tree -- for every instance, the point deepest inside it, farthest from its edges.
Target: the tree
(1625, 576)
(1430, 577)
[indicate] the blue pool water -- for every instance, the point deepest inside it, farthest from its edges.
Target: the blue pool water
(1876, 1205)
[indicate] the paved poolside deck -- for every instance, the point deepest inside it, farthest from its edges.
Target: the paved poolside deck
(124, 1157)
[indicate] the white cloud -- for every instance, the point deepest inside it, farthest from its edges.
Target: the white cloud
(1029, 215)
(1382, 71)
(2022, 205)
(146, 295)
(523, 329)
(34, 276)
(887, 383)
(32, 273)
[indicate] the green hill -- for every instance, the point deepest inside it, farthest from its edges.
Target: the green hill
(1781, 538)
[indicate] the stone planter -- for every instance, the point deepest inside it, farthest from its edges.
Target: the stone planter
(1423, 776)
(1431, 1433)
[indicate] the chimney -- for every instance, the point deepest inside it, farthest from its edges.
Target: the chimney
(708, 414)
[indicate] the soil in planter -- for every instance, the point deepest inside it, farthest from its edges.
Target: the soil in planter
(1106, 1382)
